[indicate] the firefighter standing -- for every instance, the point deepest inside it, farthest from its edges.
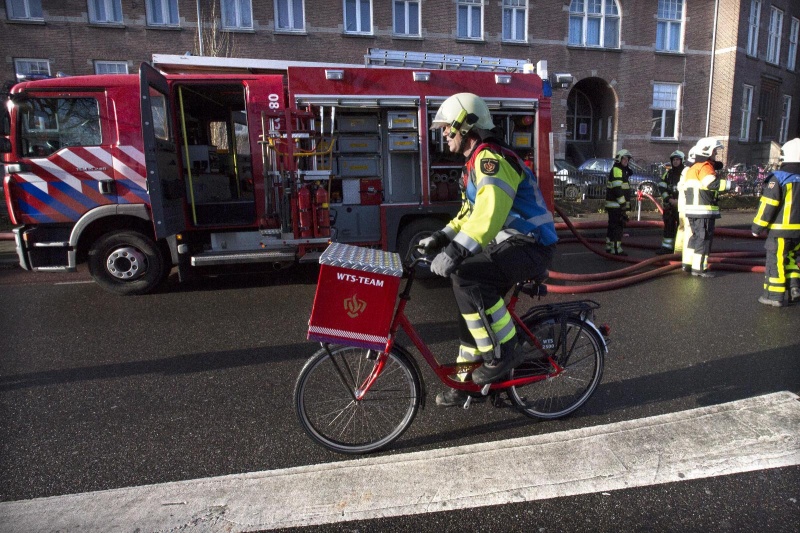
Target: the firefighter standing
(668, 187)
(702, 203)
(618, 201)
(503, 234)
(779, 215)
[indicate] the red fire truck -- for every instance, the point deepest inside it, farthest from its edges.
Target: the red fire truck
(139, 174)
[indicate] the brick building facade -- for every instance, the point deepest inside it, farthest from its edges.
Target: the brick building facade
(651, 76)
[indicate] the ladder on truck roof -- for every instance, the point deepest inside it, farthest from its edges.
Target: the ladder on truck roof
(399, 58)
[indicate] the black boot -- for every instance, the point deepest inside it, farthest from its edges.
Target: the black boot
(451, 398)
(493, 371)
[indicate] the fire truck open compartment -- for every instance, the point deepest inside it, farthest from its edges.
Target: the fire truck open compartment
(215, 154)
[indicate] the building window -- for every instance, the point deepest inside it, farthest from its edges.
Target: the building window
(665, 111)
(747, 111)
(290, 15)
(110, 67)
(594, 23)
(774, 41)
(752, 32)
(24, 9)
(31, 67)
(785, 114)
(406, 18)
(237, 14)
(791, 58)
(515, 20)
(162, 13)
(105, 11)
(470, 19)
(358, 16)
(669, 26)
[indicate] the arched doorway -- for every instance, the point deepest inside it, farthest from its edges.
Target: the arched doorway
(591, 120)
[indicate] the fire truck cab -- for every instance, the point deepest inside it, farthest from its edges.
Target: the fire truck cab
(139, 174)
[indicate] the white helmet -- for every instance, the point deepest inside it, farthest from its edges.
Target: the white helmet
(622, 153)
(462, 112)
(790, 152)
(691, 156)
(706, 146)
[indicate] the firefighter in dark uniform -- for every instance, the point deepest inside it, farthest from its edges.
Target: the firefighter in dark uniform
(502, 235)
(618, 201)
(779, 215)
(668, 188)
(702, 203)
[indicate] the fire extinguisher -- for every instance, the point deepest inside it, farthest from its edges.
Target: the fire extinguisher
(304, 206)
(323, 228)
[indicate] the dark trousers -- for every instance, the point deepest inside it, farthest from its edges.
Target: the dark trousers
(700, 241)
(781, 271)
(483, 279)
(671, 220)
(616, 224)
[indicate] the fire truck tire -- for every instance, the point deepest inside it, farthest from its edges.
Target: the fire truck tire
(127, 263)
(410, 236)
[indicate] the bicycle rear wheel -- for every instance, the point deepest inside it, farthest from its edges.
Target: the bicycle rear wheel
(576, 347)
(324, 399)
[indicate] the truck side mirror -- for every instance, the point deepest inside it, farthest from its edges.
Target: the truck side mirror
(5, 123)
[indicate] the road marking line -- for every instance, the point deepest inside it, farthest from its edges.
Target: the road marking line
(745, 435)
(72, 282)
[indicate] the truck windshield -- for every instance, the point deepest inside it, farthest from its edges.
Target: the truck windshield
(49, 124)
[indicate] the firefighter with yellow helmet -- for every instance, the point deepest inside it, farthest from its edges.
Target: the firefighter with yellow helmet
(702, 202)
(503, 234)
(779, 215)
(618, 201)
(668, 188)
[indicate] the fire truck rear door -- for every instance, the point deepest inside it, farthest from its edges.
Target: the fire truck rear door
(164, 182)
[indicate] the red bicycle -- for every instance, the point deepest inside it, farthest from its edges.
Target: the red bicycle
(356, 400)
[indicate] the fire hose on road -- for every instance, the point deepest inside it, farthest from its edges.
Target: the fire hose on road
(642, 270)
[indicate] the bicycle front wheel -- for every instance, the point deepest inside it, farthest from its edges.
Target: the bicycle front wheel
(576, 347)
(326, 404)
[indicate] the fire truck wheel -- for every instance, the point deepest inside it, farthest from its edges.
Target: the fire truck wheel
(126, 263)
(410, 236)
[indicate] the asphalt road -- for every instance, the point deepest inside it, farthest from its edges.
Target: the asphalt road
(101, 392)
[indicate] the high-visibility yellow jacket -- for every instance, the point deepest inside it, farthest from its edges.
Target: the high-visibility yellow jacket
(702, 191)
(618, 190)
(779, 208)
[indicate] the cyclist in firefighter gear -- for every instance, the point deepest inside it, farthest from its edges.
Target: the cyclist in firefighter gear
(684, 231)
(668, 188)
(502, 235)
(618, 201)
(779, 215)
(702, 202)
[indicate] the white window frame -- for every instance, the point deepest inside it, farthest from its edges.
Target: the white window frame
(753, 23)
(670, 16)
(239, 22)
(791, 56)
(22, 66)
(407, 18)
(774, 40)
(664, 110)
(472, 8)
(165, 9)
(114, 67)
(579, 11)
(359, 22)
(610, 128)
(32, 10)
(785, 117)
(290, 7)
(513, 10)
(108, 6)
(747, 112)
